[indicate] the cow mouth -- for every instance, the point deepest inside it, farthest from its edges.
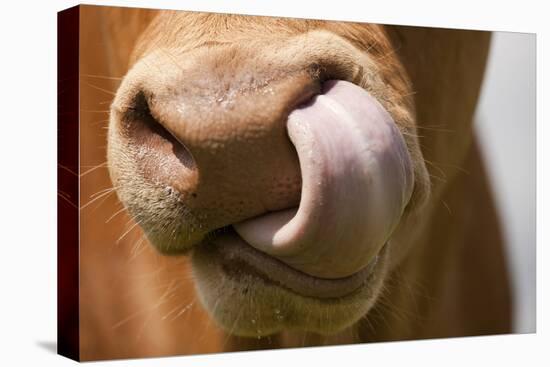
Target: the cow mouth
(238, 259)
(356, 182)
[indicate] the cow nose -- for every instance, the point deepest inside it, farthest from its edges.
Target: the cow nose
(214, 137)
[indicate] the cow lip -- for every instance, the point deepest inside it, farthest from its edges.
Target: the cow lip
(234, 252)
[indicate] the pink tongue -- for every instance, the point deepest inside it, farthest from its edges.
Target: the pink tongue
(356, 181)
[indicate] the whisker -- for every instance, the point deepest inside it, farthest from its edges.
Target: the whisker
(102, 191)
(115, 214)
(101, 77)
(440, 179)
(183, 310)
(453, 166)
(67, 169)
(411, 93)
(413, 135)
(104, 164)
(101, 89)
(171, 312)
(96, 111)
(435, 128)
(138, 248)
(233, 326)
(147, 309)
(64, 194)
(67, 200)
(105, 194)
(447, 207)
(128, 318)
(432, 164)
(390, 53)
(148, 288)
(128, 231)
(209, 320)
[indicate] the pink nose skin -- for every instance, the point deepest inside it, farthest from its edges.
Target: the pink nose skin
(357, 179)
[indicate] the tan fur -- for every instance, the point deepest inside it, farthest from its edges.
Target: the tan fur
(444, 277)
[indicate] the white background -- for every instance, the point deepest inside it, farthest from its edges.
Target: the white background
(506, 126)
(28, 192)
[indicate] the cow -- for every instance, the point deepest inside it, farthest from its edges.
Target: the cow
(259, 182)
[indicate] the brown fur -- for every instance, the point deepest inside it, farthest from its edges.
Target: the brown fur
(449, 279)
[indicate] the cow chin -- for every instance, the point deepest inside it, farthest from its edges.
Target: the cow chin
(247, 303)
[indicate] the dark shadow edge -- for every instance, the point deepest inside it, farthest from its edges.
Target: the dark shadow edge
(68, 326)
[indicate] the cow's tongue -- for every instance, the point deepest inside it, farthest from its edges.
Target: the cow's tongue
(356, 182)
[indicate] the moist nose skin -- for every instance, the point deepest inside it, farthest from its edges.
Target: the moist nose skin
(212, 140)
(357, 179)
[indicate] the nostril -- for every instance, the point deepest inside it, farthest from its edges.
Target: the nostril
(151, 136)
(157, 155)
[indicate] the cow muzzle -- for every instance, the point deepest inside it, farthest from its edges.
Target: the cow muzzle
(314, 173)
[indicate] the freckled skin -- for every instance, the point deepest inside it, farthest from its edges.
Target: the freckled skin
(215, 73)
